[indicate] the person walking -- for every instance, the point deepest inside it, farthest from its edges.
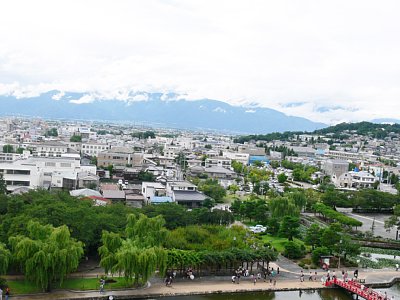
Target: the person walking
(8, 292)
(301, 276)
(1, 294)
(397, 267)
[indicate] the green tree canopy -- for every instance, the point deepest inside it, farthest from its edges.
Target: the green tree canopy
(47, 254)
(8, 148)
(76, 139)
(141, 253)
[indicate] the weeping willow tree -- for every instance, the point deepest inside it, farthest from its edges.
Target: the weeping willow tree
(46, 254)
(5, 258)
(139, 255)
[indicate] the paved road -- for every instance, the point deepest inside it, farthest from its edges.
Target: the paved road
(368, 220)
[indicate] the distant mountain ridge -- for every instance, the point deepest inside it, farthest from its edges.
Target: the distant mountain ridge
(154, 110)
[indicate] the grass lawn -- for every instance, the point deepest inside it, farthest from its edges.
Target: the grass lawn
(279, 242)
(25, 287)
(276, 242)
(22, 287)
(94, 283)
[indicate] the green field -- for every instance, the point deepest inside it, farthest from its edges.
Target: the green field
(279, 242)
(25, 287)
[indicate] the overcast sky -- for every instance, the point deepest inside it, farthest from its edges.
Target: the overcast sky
(327, 61)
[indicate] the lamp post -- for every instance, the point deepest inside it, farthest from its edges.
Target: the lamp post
(340, 243)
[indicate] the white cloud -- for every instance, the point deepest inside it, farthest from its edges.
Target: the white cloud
(58, 96)
(250, 111)
(219, 109)
(83, 100)
(339, 53)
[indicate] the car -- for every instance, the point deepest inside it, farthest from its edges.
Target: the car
(257, 228)
(120, 182)
(126, 182)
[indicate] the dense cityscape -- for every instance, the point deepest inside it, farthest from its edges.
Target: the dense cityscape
(194, 203)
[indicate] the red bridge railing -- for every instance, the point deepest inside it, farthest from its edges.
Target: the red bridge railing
(357, 288)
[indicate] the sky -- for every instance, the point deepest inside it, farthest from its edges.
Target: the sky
(329, 61)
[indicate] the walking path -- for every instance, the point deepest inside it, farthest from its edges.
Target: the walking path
(286, 280)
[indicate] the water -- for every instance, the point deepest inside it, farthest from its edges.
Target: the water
(323, 294)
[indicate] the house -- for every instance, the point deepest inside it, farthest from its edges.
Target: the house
(185, 193)
(218, 162)
(160, 199)
(355, 180)
(335, 167)
(191, 199)
(88, 180)
(219, 172)
(84, 193)
(151, 189)
(114, 195)
(135, 200)
(119, 156)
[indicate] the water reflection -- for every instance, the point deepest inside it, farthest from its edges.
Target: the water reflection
(323, 294)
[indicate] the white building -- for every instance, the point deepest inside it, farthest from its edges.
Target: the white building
(45, 172)
(357, 180)
(239, 157)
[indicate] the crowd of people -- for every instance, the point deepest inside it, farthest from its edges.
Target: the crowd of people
(269, 274)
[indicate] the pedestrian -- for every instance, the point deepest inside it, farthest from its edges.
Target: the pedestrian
(233, 279)
(356, 274)
(1, 294)
(238, 278)
(101, 288)
(277, 270)
(315, 276)
(254, 280)
(8, 293)
(397, 267)
(310, 277)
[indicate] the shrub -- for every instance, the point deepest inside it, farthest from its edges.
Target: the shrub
(294, 250)
(317, 253)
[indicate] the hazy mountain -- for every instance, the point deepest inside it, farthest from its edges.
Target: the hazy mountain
(153, 109)
(386, 121)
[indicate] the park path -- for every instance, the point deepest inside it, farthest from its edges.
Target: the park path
(288, 279)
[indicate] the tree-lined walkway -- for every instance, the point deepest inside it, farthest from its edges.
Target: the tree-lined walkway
(211, 285)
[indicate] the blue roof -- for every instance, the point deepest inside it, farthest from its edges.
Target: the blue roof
(160, 199)
(261, 158)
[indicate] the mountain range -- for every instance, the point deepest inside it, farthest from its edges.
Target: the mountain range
(156, 109)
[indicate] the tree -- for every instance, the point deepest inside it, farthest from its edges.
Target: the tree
(5, 258)
(317, 253)
(208, 203)
(146, 176)
(289, 227)
(212, 189)
(283, 206)
(313, 236)
(93, 160)
(294, 250)
(282, 178)
(52, 132)
(8, 148)
(140, 254)
(76, 139)
(331, 236)
(3, 185)
(46, 254)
